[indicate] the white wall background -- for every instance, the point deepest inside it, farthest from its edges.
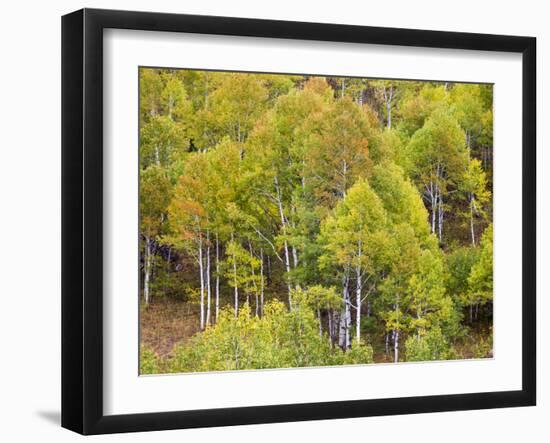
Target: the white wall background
(30, 219)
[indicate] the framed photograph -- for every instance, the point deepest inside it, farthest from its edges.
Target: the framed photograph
(269, 221)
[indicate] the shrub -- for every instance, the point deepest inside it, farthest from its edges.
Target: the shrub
(428, 345)
(148, 361)
(279, 339)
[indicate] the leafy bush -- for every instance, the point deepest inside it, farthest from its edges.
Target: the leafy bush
(428, 345)
(148, 361)
(279, 339)
(358, 354)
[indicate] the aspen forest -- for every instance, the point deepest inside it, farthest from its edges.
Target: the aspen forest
(292, 221)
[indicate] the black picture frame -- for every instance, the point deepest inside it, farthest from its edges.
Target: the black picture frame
(82, 218)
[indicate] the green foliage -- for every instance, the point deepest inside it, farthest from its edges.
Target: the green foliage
(476, 192)
(154, 199)
(356, 222)
(231, 110)
(417, 106)
(480, 280)
(317, 297)
(431, 345)
(441, 142)
(148, 361)
(242, 268)
(279, 339)
(468, 107)
(357, 354)
(400, 198)
(459, 265)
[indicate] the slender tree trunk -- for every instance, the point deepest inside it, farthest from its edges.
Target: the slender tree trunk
(472, 231)
(388, 97)
(396, 334)
(283, 225)
(201, 272)
(345, 320)
(147, 269)
(344, 178)
(168, 266)
(320, 322)
(440, 218)
(360, 98)
(396, 346)
(433, 198)
(358, 290)
(387, 344)
(295, 257)
(268, 269)
(236, 287)
(471, 195)
(217, 277)
(261, 281)
(330, 317)
(157, 156)
(208, 284)
(439, 201)
(256, 309)
(336, 327)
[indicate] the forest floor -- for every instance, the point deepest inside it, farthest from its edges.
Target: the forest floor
(166, 323)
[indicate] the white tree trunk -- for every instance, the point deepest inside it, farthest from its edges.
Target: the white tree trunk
(396, 346)
(201, 272)
(396, 335)
(335, 326)
(472, 230)
(147, 270)
(236, 288)
(257, 307)
(433, 201)
(262, 282)
(283, 225)
(208, 285)
(388, 97)
(330, 327)
(344, 178)
(295, 257)
(358, 290)
(157, 156)
(439, 202)
(440, 217)
(345, 320)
